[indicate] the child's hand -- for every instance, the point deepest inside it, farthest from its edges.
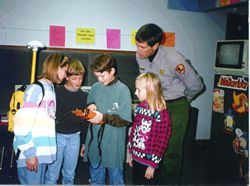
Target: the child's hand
(32, 164)
(92, 107)
(98, 119)
(149, 173)
(84, 113)
(130, 162)
(82, 151)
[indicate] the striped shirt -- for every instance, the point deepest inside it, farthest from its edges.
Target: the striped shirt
(34, 125)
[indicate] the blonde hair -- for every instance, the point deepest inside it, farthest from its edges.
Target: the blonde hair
(75, 68)
(51, 65)
(154, 91)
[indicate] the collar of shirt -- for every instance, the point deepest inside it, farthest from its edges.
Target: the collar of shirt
(151, 58)
(113, 82)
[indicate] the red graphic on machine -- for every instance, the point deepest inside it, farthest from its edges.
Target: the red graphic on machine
(240, 103)
(229, 82)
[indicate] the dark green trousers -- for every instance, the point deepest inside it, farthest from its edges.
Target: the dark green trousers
(171, 164)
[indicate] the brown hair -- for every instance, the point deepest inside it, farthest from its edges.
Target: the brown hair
(104, 62)
(51, 65)
(154, 92)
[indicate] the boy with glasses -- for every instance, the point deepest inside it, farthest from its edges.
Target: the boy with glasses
(106, 139)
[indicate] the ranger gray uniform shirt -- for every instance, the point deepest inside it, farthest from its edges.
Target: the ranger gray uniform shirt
(178, 78)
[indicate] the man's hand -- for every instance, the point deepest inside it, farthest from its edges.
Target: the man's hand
(32, 164)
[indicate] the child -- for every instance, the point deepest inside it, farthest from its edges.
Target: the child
(105, 143)
(151, 130)
(180, 83)
(68, 97)
(34, 128)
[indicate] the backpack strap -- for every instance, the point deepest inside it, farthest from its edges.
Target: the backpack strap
(22, 88)
(42, 87)
(99, 138)
(43, 92)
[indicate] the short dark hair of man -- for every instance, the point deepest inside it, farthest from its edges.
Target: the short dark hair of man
(150, 33)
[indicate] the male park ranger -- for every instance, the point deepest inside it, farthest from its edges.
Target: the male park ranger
(180, 85)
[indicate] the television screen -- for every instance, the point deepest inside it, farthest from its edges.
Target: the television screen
(229, 55)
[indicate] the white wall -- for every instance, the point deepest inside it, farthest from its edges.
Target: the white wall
(196, 33)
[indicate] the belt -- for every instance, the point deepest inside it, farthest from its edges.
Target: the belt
(177, 99)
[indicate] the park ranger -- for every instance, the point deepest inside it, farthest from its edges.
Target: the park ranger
(180, 83)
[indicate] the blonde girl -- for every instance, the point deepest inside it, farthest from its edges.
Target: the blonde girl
(151, 130)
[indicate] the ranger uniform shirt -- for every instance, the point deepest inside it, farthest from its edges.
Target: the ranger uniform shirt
(177, 76)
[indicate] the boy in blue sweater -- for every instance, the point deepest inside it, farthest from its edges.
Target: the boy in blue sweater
(105, 143)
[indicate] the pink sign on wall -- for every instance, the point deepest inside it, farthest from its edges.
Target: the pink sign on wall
(113, 38)
(57, 36)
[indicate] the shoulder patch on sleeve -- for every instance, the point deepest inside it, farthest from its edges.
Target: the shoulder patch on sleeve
(180, 68)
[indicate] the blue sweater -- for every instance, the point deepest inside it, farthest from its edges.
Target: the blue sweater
(113, 99)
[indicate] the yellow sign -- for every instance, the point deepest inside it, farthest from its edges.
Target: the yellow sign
(85, 35)
(133, 33)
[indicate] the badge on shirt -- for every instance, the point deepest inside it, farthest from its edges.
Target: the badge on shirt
(180, 68)
(162, 72)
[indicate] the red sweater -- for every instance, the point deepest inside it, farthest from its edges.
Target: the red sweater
(149, 135)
